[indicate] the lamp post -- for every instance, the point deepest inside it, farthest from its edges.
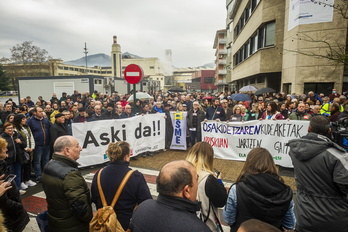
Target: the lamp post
(86, 51)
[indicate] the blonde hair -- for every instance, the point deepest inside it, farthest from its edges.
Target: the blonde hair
(201, 155)
(117, 151)
(258, 161)
(3, 144)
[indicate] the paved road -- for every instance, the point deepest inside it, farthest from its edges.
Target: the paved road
(34, 200)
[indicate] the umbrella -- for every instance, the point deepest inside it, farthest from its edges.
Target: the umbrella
(240, 97)
(141, 96)
(175, 89)
(264, 90)
(247, 88)
(208, 97)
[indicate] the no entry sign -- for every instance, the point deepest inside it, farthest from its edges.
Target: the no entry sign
(133, 74)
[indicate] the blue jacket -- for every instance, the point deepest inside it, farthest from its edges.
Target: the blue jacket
(40, 130)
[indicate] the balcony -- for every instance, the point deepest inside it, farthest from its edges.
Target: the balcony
(223, 51)
(222, 41)
(221, 61)
(222, 72)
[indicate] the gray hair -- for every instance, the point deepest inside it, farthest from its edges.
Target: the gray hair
(61, 143)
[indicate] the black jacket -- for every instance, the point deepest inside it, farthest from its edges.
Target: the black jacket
(167, 214)
(14, 149)
(11, 205)
(215, 113)
(200, 114)
(264, 197)
(321, 174)
(57, 130)
(135, 191)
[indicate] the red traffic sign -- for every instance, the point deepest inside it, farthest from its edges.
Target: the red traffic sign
(133, 74)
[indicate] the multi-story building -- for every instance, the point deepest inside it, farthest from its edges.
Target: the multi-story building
(203, 81)
(270, 43)
(221, 55)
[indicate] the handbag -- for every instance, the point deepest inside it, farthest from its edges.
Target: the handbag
(23, 157)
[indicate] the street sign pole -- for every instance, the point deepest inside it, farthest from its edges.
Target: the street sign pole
(133, 75)
(134, 97)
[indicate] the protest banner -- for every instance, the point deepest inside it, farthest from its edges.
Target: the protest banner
(233, 141)
(179, 130)
(143, 133)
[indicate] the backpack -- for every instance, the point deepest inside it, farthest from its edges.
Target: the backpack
(105, 220)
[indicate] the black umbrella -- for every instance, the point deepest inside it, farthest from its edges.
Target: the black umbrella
(175, 89)
(264, 90)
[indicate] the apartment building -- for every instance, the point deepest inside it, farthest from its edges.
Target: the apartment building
(221, 54)
(266, 45)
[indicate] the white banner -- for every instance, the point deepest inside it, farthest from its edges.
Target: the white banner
(307, 12)
(143, 133)
(179, 130)
(233, 141)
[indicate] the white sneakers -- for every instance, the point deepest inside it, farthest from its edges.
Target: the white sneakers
(30, 183)
(22, 192)
(27, 184)
(24, 186)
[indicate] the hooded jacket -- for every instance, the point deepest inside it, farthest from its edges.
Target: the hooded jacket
(264, 197)
(321, 173)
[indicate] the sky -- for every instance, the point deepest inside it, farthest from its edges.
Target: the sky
(143, 27)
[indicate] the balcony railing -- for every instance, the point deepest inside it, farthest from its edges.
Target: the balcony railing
(222, 72)
(222, 41)
(223, 51)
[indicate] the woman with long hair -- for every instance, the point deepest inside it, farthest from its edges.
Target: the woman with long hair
(211, 191)
(21, 126)
(272, 112)
(16, 218)
(260, 193)
(255, 113)
(135, 191)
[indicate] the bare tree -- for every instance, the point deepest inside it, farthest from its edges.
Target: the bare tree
(26, 60)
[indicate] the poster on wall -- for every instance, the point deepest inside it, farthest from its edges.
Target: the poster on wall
(307, 12)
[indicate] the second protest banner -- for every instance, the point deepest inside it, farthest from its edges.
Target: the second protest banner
(233, 141)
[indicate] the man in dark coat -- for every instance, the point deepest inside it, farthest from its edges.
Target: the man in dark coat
(321, 173)
(67, 194)
(215, 112)
(176, 205)
(40, 127)
(59, 128)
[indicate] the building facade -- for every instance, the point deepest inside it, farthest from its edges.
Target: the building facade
(221, 55)
(267, 46)
(204, 81)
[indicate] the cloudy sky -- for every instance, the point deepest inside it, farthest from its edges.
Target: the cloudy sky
(143, 27)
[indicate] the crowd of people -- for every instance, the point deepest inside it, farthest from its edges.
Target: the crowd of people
(31, 132)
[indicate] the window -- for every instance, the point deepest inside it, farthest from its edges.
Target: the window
(208, 80)
(152, 67)
(269, 34)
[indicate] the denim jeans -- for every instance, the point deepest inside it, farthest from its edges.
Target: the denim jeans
(16, 169)
(41, 158)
